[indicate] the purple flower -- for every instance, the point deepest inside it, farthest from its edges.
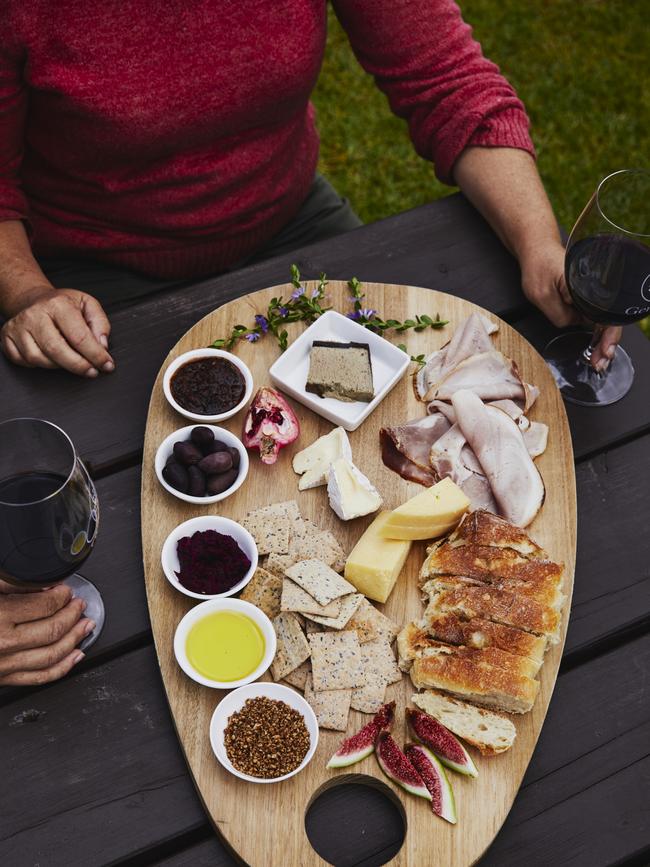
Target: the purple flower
(354, 315)
(298, 292)
(252, 337)
(283, 311)
(262, 322)
(368, 313)
(315, 293)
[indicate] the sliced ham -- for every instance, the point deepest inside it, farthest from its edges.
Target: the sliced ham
(535, 437)
(498, 444)
(490, 375)
(406, 448)
(470, 337)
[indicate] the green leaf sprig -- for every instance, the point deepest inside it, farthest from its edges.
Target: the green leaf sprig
(304, 306)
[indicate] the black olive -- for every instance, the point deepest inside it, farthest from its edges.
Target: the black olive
(236, 457)
(202, 437)
(219, 483)
(187, 453)
(216, 446)
(197, 482)
(218, 462)
(171, 460)
(176, 476)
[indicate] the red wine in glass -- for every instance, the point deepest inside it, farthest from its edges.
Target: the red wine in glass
(607, 271)
(49, 512)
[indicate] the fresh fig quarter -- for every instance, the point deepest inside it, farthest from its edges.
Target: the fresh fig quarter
(360, 745)
(441, 742)
(398, 768)
(435, 779)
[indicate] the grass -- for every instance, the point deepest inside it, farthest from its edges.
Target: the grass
(579, 65)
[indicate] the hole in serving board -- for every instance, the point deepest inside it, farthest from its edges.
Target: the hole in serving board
(355, 819)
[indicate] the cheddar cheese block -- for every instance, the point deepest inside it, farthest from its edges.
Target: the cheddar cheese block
(429, 514)
(375, 561)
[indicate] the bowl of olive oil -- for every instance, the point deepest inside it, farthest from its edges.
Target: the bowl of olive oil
(224, 643)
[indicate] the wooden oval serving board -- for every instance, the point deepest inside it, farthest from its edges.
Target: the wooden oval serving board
(264, 824)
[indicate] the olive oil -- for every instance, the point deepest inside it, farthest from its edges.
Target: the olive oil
(225, 646)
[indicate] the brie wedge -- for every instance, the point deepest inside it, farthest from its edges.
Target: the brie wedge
(350, 493)
(313, 463)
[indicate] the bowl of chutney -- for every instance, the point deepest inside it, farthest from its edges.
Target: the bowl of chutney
(209, 557)
(207, 385)
(224, 643)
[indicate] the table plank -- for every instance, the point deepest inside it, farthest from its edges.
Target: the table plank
(74, 787)
(445, 245)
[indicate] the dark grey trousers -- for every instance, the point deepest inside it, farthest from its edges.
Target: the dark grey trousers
(323, 214)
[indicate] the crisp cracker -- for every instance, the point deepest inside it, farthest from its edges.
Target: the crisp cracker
(308, 540)
(271, 526)
(311, 626)
(321, 582)
(336, 661)
(369, 698)
(330, 706)
(292, 646)
(349, 605)
(298, 677)
(379, 662)
(279, 563)
(264, 590)
(294, 598)
(363, 625)
(386, 628)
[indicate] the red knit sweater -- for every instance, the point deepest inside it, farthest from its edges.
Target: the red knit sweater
(177, 137)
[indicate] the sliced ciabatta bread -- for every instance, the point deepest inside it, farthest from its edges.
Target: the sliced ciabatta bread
(491, 733)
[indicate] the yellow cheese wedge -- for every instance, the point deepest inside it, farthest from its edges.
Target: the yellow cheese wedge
(375, 562)
(428, 515)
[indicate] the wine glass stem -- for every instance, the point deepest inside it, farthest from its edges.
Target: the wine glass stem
(595, 340)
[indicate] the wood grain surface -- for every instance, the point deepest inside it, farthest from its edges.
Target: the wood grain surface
(265, 824)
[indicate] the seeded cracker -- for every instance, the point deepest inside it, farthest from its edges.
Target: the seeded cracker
(264, 590)
(298, 677)
(294, 598)
(378, 659)
(292, 647)
(369, 698)
(321, 582)
(349, 605)
(330, 706)
(371, 619)
(336, 661)
(271, 525)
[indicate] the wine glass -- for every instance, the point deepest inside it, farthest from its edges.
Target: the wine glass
(607, 270)
(49, 512)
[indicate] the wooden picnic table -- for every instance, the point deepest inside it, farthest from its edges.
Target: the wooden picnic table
(92, 773)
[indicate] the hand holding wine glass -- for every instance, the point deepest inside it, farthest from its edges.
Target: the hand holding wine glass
(607, 271)
(49, 515)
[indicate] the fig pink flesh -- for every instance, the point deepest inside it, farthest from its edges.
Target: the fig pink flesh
(438, 738)
(435, 779)
(397, 767)
(361, 744)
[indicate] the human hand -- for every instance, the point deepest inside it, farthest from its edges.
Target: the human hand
(544, 284)
(39, 634)
(59, 328)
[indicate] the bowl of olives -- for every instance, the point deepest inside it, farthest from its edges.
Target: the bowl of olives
(201, 464)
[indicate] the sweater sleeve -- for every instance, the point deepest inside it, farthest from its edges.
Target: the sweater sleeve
(13, 109)
(423, 57)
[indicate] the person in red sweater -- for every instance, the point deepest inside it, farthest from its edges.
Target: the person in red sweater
(170, 141)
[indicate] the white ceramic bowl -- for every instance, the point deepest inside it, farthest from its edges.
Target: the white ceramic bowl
(193, 355)
(166, 447)
(223, 604)
(243, 538)
(235, 700)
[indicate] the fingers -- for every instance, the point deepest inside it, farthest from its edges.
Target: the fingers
(42, 658)
(58, 349)
(73, 326)
(605, 350)
(94, 315)
(28, 351)
(45, 675)
(38, 633)
(22, 608)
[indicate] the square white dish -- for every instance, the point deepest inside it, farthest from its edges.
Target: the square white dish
(289, 372)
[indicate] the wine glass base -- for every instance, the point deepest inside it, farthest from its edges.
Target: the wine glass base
(578, 381)
(82, 588)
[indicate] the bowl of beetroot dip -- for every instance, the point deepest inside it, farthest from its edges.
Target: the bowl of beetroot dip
(209, 557)
(207, 385)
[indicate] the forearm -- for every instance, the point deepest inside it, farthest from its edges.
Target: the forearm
(505, 186)
(21, 279)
